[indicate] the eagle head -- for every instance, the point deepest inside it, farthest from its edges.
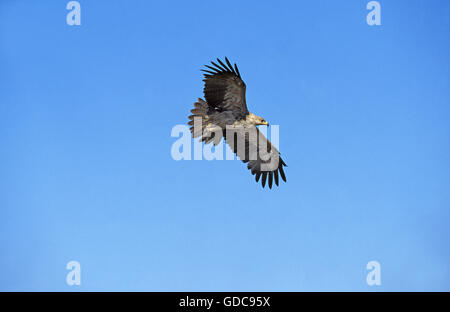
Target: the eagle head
(256, 120)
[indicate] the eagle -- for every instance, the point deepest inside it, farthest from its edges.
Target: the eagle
(224, 113)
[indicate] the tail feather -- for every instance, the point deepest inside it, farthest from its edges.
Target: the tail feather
(200, 115)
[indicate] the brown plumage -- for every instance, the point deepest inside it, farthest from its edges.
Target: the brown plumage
(225, 114)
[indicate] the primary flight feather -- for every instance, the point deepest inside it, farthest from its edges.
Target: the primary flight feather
(224, 113)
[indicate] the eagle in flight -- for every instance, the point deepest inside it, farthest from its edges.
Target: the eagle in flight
(224, 113)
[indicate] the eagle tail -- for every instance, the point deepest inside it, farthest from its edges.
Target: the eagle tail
(200, 116)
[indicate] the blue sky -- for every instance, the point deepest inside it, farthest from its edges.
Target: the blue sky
(86, 172)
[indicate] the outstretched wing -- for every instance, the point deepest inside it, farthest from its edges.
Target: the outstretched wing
(252, 147)
(224, 88)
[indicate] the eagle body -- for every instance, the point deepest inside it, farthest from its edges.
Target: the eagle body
(224, 113)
